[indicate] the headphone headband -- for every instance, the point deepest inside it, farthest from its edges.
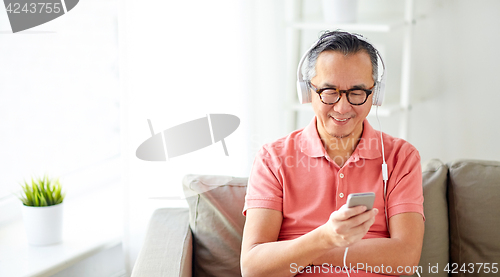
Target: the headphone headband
(304, 92)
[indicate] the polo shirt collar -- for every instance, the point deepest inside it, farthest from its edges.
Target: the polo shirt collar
(310, 142)
(368, 148)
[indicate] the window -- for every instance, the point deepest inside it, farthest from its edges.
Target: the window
(59, 99)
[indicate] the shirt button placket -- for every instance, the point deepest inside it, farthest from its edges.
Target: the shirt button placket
(341, 175)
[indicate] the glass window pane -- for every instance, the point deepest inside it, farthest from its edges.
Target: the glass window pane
(59, 97)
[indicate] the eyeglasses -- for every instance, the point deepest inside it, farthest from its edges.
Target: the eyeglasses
(330, 96)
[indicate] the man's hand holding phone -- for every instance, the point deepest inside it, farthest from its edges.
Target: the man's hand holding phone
(351, 222)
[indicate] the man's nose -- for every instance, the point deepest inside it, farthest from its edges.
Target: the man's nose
(343, 106)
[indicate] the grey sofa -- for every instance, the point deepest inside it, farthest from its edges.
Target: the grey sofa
(462, 229)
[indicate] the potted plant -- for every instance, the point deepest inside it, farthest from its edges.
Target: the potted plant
(42, 210)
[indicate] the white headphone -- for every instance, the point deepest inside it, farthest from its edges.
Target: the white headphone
(304, 92)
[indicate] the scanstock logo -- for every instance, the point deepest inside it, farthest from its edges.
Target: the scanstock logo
(26, 14)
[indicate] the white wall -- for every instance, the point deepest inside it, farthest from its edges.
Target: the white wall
(456, 68)
(180, 61)
(201, 57)
(59, 97)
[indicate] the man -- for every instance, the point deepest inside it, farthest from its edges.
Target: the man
(296, 218)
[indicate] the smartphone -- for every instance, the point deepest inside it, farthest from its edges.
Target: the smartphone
(361, 199)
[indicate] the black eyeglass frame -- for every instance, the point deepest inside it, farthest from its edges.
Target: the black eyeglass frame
(347, 92)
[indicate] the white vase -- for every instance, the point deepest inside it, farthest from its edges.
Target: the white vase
(43, 225)
(340, 11)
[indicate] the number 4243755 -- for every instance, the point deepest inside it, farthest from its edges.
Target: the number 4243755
(472, 267)
(34, 8)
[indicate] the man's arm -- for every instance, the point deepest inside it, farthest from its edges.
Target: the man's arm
(403, 248)
(263, 255)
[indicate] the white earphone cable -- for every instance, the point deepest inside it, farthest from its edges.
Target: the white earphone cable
(384, 170)
(345, 258)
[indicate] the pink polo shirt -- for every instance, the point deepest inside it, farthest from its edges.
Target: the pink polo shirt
(296, 176)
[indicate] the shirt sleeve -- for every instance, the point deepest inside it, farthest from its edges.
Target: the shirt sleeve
(264, 188)
(405, 192)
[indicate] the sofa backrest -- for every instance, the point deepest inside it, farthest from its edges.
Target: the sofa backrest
(474, 208)
(216, 203)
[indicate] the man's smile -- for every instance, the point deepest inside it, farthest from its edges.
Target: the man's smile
(340, 120)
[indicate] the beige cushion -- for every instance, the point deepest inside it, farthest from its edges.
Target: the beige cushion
(215, 206)
(435, 249)
(474, 190)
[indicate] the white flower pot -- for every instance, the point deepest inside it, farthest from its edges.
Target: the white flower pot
(43, 225)
(340, 11)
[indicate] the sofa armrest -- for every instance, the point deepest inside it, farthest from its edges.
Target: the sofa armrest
(168, 246)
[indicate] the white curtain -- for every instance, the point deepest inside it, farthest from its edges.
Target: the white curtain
(179, 62)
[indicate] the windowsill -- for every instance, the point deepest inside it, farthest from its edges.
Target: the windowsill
(92, 223)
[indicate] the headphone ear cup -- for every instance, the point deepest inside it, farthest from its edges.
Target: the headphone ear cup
(378, 95)
(303, 92)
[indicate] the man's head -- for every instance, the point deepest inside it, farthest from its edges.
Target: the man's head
(343, 42)
(341, 61)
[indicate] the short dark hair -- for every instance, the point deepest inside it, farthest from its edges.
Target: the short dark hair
(343, 42)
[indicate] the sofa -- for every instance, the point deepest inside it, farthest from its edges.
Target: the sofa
(462, 228)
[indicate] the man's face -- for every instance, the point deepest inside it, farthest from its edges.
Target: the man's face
(333, 69)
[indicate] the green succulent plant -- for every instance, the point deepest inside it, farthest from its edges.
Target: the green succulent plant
(42, 192)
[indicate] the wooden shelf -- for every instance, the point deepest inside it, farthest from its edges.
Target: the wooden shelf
(353, 27)
(386, 110)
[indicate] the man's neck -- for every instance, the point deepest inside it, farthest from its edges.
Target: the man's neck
(340, 149)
